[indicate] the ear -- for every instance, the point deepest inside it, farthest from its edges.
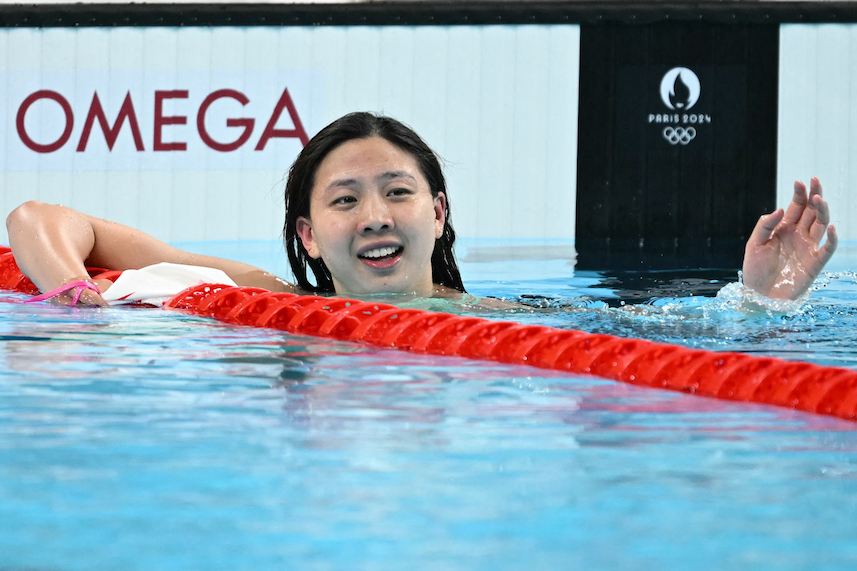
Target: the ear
(303, 226)
(439, 214)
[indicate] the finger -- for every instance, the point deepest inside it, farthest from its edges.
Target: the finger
(765, 228)
(822, 219)
(815, 186)
(810, 213)
(798, 204)
(86, 296)
(102, 285)
(826, 251)
(89, 297)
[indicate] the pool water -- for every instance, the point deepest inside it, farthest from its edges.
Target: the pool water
(146, 439)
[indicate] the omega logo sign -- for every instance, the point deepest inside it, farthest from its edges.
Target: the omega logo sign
(127, 120)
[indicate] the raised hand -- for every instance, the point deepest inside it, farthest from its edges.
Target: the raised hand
(783, 255)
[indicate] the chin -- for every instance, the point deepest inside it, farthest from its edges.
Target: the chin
(396, 282)
(385, 288)
(395, 289)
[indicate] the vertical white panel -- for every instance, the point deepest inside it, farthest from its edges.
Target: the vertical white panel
(561, 148)
(19, 187)
(56, 66)
(160, 54)
(293, 56)
(4, 106)
(430, 90)
(125, 48)
(796, 125)
(833, 131)
(328, 55)
(223, 202)
(397, 73)
(460, 147)
(157, 207)
(817, 118)
(24, 51)
(124, 196)
(530, 122)
(496, 158)
(264, 190)
(22, 57)
(187, 198)
(187, 190)
(845, 203)
(90, 194)
(21, 45)
(94, 68)
(206, 59)
(362, 69)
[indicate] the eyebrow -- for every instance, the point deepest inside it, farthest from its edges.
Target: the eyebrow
(392, 175)
(381, 178)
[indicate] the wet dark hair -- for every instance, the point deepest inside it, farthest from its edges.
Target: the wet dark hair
(361, 125)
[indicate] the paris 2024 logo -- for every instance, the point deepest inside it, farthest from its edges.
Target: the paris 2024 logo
(679, 91)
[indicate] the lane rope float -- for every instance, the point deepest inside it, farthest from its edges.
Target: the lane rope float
(726, 375)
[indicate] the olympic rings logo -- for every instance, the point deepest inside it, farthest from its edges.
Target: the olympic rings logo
(679, 135)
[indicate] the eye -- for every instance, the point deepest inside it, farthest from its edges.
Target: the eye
(400, 192)
(343, 200)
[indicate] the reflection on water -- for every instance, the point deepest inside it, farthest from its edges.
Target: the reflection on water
(144, 439)
(684, 310)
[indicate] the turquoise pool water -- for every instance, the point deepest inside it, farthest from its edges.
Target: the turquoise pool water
(144, 439)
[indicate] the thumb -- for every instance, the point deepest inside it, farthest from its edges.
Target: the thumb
(765, 227)
(102, 285)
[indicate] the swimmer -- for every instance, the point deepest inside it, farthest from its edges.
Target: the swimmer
(368, 212)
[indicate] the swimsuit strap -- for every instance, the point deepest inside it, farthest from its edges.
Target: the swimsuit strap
(78, 286)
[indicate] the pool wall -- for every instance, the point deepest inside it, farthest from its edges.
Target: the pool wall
(818, 115)
(498, 100)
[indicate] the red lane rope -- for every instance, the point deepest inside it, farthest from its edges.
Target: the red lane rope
(734, 376)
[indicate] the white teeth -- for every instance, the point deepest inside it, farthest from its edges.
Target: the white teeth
(379, 252)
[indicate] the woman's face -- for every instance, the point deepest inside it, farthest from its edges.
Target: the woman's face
(373, 220)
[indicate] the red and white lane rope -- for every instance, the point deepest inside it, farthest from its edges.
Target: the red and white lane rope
(726, 375)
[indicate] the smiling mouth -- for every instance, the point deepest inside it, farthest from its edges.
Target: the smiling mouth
(381, 257)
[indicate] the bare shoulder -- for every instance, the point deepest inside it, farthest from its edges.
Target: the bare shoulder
(266, 280)
(475, 302)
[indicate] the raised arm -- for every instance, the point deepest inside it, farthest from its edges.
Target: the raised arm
(53, 245)
(784, 254)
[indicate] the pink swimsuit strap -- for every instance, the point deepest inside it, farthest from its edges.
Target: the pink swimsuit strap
(78, 286)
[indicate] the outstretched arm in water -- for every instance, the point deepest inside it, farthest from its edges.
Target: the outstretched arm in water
(53, 245)
(784, 254)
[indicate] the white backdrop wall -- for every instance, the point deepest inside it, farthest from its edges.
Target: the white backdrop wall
(498, 103)
(817, 131)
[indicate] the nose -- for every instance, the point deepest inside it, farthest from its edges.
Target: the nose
(375, 216)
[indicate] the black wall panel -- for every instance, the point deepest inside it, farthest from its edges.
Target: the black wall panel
(677, 143)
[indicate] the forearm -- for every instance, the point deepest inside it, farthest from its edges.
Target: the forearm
(54, 244)
(119, 247)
